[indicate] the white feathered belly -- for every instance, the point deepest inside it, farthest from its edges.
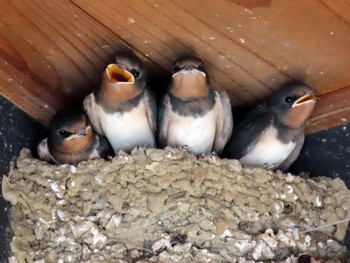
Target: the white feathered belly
(197, 133)
(269, 152)
(128, 130)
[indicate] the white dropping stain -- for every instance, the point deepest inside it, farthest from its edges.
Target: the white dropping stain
(239, 25)
(54, 186)
(321, 245)
(163, 242)
(290, 178)
(61, 202)
(73, 169)
(248, 11)
(278, 207)
(61, 214)
(331, 33)
(227, 233)
(98, 179)
(131, 20)
(318, 201)
(286, 44)
(242, 40)
(321, 73)
(307, 239)
(169, 155)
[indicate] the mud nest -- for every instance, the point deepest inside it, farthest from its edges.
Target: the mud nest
(170, 206)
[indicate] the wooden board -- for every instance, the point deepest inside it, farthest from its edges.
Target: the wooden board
(52, 53)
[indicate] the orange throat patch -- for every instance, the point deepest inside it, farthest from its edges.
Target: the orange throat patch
(187, 85)
(298, 114)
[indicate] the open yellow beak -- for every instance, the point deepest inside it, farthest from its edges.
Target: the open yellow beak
(117, 74)
(311, 97)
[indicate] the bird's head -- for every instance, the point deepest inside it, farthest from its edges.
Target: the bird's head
(293, 103)
(70, 131)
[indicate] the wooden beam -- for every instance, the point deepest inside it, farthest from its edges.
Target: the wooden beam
(333, 109)
(52, 53)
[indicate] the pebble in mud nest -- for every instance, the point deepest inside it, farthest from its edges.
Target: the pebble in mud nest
(168, 205)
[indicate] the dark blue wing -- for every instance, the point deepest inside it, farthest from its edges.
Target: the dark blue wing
(248, 132)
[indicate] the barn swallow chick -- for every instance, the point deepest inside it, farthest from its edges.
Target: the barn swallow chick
(272, 134)
(192, 113)
(71, 140)
(122, 108)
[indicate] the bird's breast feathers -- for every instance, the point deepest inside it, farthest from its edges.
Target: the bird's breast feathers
(128, 129)
(268, 151)
(197, 132)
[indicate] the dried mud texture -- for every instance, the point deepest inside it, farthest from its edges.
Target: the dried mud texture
(169, 206)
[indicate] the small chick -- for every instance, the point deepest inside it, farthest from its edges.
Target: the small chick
(122, 108)
(71, 140)
(192, 114)
(272, 134)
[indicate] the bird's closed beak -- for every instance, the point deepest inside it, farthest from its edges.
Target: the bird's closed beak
(117, 74)
(189, 70)
(79, 133)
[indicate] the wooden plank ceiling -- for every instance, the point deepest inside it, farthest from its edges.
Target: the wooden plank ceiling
(52, 53)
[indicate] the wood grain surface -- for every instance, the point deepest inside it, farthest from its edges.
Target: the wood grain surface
(52, 53)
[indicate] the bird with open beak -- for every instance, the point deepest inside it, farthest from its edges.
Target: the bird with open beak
(71, 140)
(272, 134)
(122, 108)
(191, 113)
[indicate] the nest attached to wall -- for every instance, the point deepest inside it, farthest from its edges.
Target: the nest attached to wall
(170, 206)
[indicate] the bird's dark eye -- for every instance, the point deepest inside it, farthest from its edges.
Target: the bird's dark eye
(201, 67)
(288, 99)
(65, 133)
(135, 73)
(175, 69)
